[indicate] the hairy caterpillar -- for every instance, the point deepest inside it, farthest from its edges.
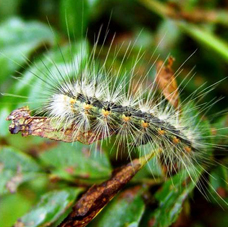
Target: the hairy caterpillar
(108, 101)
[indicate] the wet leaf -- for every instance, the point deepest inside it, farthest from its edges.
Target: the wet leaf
(218, 185)
(77, 160)
(125, 210)
(17, 36)
(171, 197)
(16, 168)
(219, 130)
(51, 206)
(23, 38)
(34, 80)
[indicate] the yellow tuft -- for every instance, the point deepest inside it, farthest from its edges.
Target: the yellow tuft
(72, 101)
(176, 140)
(87, 107)
(188, 149)
(125, 118)
(105, 113)
(145, 124)
(161, 132)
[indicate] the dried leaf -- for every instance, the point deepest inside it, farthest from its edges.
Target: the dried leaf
(98, 196)
(167, 83)
(45, 127)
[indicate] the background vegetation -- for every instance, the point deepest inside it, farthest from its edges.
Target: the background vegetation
(41, 179)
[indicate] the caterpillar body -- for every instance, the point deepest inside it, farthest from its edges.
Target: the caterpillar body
(115, 102)
(95, 99)
(91, 107)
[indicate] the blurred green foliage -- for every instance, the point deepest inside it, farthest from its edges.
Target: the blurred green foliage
(35, 173)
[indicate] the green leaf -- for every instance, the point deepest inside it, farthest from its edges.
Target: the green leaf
(220, 130)
(4, 112)
(198, 33)
(152, 167)
(219, 177)
(15, 168)
(18, 39)
(206, 38)
(125, 210)
(51, 206)
(9, 8)
(63, 62)
(172, 195)
(168, 44)
(75, 16)
(13, 206)
(218, 185)
(77, 160)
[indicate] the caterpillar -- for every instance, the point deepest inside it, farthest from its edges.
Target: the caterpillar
(93, 103)
(108, 101)
(136, 112)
